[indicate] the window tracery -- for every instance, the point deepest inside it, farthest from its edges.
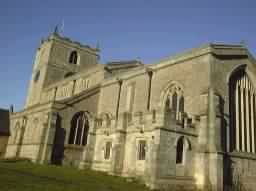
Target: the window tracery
(242, 100)
(79, 129)
(174, 103)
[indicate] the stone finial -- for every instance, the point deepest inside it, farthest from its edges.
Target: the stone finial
(56, 30)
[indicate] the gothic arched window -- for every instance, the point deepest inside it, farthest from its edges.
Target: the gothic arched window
(174, 102)
(73, 57)
(180, 151)
(107, 151)
(79, 129)
(242, 112)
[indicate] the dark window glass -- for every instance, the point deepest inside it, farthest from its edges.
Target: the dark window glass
(179, 153)
(174, 102)
(107, 150)
(79, 130)
(36, 78)
(73, 58)
(142, 150)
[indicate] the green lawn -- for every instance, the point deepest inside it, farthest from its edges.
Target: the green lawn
(24, 176)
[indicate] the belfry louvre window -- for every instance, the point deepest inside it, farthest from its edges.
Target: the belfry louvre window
(242, 113)
(142, 150)
(79, 129)
(73, 57)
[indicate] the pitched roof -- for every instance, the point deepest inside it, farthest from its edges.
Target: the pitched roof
(4, 122)
(122, 65)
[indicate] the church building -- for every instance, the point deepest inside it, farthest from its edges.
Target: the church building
(187, 121)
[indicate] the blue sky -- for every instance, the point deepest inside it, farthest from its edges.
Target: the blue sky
(145, 29)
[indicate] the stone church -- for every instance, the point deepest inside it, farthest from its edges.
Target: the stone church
(187, 121)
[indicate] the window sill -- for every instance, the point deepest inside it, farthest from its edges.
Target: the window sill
(77, 147)
(244, 155)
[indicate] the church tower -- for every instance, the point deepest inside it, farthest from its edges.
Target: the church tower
(58, 58)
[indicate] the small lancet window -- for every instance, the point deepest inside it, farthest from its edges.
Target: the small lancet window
(180, 151)
(142, 150)
(36, 78)
(73, 57)
(107, 150)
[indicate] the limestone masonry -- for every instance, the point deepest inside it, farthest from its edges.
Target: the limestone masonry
(185, 122)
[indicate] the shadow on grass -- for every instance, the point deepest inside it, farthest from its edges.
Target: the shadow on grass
(21, 176)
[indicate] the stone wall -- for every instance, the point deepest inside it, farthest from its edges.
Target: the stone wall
(122, 109)
(28, 133)
(3, 145)
(72, 86)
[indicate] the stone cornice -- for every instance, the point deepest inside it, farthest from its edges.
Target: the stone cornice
(33, 109)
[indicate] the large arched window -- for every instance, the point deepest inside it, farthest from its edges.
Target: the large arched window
(73, 57)
(79, 129)
(242, 112)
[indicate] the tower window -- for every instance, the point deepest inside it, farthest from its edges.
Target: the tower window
(73, 57)
(37, 76)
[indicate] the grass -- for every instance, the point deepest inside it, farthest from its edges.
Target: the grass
(25, 176)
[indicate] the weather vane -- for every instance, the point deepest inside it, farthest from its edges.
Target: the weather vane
(58, 30)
